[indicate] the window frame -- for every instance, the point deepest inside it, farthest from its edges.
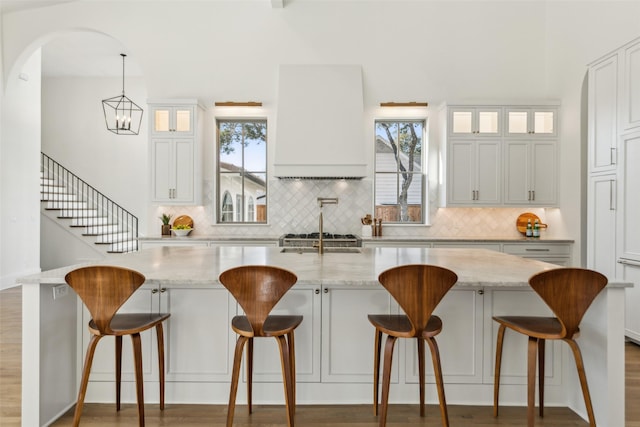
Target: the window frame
(242, 195)
(423, 173)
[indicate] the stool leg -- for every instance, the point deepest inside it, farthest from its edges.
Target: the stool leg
(577, 354)
(292, 359)
(420, 344)
(137, 361)
(88, 360)
(541, 377)
(386, 378)
(437, 370)
(531, 380)
(118, 369)
(249, 363)
(286, 377)
(237, 359)
(376, 369)
(160, 339)
(496, 377)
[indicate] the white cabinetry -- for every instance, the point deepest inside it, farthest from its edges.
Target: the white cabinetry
(553, 253)
(533, 121)
(631, 93)
(475, 121)
(474, 172)
(491, 166)
(602, 116)
(613, 205)
(176, 153)
(530, 173)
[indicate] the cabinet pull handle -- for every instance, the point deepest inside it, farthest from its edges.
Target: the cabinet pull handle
(612, 198)
(631, 262)
(163, 290)
(477, 194)
(317, 291)
(613, 155)
(326, 290)
(529, 196)
(481, 292)
(533, 195)
(154, 291)
(537, 249)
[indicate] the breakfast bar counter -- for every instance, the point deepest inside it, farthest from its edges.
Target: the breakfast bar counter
(334, 363)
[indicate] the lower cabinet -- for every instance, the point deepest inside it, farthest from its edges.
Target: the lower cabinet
(334, 343)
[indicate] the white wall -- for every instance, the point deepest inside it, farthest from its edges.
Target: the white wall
(446, 51)
(20, 173)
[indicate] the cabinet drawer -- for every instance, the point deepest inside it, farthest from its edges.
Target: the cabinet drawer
(537, 249)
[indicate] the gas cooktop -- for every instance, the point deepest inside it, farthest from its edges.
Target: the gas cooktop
(330, 239)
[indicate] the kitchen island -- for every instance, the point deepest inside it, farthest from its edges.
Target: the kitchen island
(334, 344)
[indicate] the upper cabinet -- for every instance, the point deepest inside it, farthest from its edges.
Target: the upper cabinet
(530, 122)
(602, 116)
(631, 88)
(475, 121)
(175, 152)
(172, 120)
(502, 155)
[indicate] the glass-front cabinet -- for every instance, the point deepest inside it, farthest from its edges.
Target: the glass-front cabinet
(475, 121)
(531, 121)
(172, 120)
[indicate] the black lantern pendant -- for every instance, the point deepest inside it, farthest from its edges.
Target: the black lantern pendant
(121, 115)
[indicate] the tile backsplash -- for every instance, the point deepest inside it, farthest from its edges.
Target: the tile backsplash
(293, 208)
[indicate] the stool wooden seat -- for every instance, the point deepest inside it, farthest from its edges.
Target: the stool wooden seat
(568, 292)
(418, 289)
(258, 288)
(103, 290)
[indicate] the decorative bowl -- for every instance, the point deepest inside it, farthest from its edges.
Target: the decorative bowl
(181, 232)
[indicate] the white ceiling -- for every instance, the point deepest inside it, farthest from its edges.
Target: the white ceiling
(13, 5)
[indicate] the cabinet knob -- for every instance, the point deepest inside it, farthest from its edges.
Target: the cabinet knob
(154, 291)
(317, 291)
(326, 290)
(163, 290)
(481, 292)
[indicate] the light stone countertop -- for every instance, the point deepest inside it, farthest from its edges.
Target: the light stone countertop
(422, 239)
(202, 265)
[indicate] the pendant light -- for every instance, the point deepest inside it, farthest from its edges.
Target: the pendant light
(121, 115)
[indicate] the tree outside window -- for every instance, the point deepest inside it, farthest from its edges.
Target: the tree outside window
(399, 175)
(242, 168)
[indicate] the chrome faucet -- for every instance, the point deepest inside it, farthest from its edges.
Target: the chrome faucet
(321, 202)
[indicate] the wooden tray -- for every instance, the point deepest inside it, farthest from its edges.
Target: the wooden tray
(521, 222)
(186, 220)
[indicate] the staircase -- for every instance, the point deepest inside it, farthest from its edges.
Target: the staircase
(86, 210)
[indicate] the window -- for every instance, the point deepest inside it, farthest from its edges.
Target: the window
(399, 173)
(242, 169)
(227, 208)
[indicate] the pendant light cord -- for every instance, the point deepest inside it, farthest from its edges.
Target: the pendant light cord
(123, 56)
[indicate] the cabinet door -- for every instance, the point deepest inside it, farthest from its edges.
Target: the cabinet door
(171, 121)
(304, 301)
(172, 171)
(460, 342)
(603, 122)
(629, 213)
(474, 172)
(601, 225)
(631, 273)
(474, 121)
(198, 336)
(347, 334)
(530, 173)
(631, 88)
(517, 172)
(514, 351)
(539, 122)
(543, 173)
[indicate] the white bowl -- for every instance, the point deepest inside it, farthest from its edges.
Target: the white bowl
(181, 232)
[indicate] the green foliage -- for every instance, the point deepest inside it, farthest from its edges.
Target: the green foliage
(165, 218)
(231, 133)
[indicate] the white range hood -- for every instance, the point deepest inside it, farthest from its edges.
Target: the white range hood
(319, 127)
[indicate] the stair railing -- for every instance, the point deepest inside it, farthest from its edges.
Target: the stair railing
(88, 207)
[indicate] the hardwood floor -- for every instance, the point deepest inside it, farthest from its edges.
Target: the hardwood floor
(102, 415)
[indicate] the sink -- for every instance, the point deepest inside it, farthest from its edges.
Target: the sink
(315, 250)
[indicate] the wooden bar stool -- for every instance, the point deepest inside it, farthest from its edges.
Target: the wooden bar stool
(258, 288)
(418, 289)
(568, 292)
(103, 290)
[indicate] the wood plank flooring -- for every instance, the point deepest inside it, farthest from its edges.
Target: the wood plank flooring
(102, 415)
